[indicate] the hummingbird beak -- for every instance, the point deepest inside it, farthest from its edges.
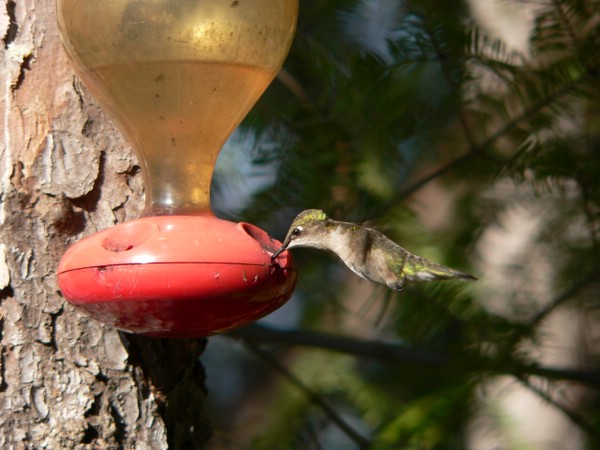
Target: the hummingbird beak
(279, 251)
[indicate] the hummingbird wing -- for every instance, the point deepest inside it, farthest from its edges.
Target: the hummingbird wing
(397, 265)
(417, 268)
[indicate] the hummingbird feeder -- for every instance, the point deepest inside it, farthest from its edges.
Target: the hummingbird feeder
(177, 77)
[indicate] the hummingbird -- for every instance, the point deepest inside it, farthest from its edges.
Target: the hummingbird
(367, 252)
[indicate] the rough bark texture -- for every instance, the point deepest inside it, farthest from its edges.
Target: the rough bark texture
(67, 381)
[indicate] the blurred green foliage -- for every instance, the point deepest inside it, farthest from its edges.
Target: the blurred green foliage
(379, 101)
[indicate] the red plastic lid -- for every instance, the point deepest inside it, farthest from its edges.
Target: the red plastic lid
(177, 275)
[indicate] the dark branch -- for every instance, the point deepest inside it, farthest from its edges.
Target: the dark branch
(589, 377)
(393, 353)
(382, 351)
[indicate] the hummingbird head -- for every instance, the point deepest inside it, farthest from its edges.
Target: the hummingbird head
(306, 230)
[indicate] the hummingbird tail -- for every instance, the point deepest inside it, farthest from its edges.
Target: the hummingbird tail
(421, 269)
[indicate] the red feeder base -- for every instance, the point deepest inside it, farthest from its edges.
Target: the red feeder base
(177, 276)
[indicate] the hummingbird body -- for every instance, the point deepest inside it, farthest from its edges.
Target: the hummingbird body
(367, 252)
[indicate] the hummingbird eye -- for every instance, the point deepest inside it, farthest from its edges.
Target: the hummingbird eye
(296, 231)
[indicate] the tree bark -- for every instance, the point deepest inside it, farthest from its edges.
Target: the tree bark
(68, 381)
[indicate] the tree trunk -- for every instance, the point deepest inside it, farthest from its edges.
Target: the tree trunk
(68, 381)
